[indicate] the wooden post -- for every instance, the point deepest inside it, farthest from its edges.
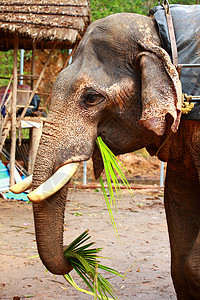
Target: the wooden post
(13, 114)
(33, 65)
(6, 90)
(2, 103)
(30, 151)
(8, 109)
(35, 135)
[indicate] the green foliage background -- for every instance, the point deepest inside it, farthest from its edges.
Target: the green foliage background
(103, 8)
(6, 65)
(99, 9)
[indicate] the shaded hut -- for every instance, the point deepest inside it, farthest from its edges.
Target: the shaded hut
(43, 21)
(31, 25)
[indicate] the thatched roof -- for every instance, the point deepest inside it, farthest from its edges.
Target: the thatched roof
(44, 21)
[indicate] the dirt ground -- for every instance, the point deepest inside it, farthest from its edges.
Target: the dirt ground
(141, 253)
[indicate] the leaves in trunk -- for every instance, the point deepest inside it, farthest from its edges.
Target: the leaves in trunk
(85, 262)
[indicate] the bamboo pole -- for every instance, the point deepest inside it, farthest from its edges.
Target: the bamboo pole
(8, 110)
(2, 77)
(13, 114)
(33, 64)
(28, 75)
(35, 135)
(29, 91)
(6, 90)
(30, 151)
(5, 104)
(36, 84)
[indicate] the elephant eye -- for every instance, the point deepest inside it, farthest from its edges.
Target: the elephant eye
(92, 99)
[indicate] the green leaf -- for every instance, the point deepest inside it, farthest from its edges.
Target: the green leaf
(86, 263)
(112, 166)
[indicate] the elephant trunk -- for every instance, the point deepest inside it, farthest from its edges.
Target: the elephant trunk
(56, 150)
(49, 214)
(49, 220)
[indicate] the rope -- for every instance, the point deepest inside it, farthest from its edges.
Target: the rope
(165, 141)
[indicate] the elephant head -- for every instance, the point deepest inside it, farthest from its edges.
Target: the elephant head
(121, 86)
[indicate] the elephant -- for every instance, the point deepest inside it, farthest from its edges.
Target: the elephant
(123, 87)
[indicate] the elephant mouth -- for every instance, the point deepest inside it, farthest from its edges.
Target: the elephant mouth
(50, 186)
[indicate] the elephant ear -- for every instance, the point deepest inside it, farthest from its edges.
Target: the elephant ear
(161, 90)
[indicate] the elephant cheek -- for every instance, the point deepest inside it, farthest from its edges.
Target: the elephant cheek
(154, 124)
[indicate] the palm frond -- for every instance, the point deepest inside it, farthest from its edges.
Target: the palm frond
(112, 166)
(84, 259)
(86, 263)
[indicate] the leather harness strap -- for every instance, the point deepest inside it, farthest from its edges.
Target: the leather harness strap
(187, 106)
(171, 34)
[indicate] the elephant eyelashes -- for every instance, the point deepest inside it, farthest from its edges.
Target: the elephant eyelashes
(92, 99)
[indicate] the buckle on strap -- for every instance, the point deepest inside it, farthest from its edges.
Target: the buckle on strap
(187, 106)
(165, 5)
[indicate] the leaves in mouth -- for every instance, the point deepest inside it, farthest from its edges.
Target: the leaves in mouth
(112, 166)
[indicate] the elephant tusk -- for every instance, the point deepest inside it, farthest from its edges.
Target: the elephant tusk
(22, 185)
(54, 183)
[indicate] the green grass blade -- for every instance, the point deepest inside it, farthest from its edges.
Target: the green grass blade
(108, 206)
(121, 174)
(77, 240)
(109, 178)
(110, 270)
(85, 247)
(87, 281)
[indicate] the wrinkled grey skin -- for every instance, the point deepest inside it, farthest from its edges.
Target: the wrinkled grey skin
(100, 95)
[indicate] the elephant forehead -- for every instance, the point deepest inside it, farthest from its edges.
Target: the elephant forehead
(121, 88)
(122, 91)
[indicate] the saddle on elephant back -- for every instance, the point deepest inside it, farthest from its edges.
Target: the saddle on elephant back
(186, 25)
